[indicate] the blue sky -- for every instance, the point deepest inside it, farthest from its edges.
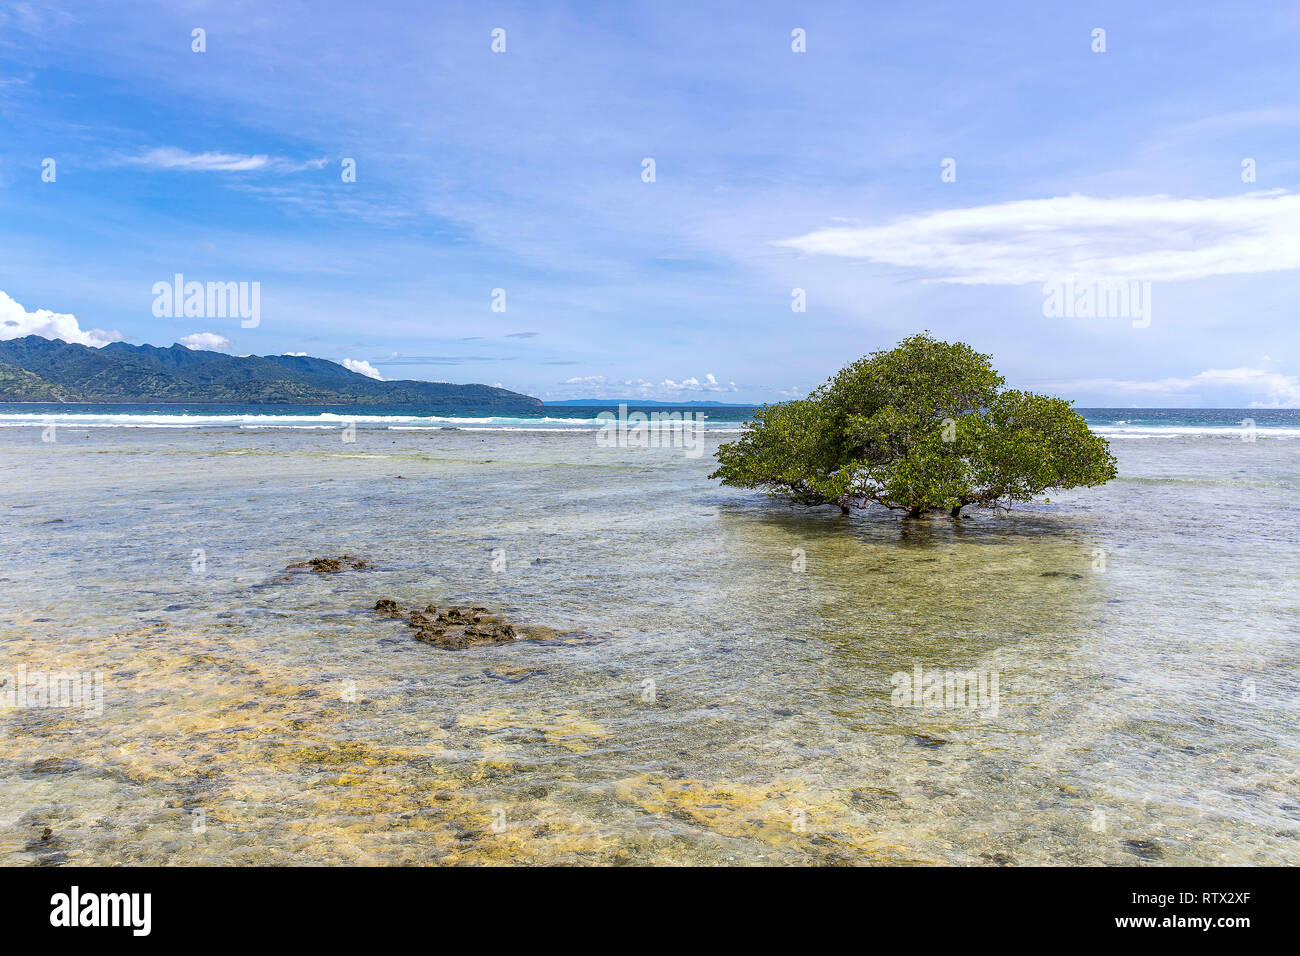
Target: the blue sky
(774, 171)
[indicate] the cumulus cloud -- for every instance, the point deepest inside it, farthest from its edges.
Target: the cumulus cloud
(709, 384)
(1153, 238)
(208, 341)
(15, 322)
(362, 367)
(599, 386)
(1257, 387)
(171, 158)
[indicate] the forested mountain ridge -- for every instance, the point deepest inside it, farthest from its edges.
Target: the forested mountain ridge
(36, 369)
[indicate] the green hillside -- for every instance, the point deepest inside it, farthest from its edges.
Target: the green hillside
(35, 369)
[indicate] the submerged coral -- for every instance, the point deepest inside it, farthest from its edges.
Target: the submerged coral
(344, 562)
(452, 627)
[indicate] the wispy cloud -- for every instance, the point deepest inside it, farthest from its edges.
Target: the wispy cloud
(1144, 237)
(171, 158)
(432, 359)
(1262, 388)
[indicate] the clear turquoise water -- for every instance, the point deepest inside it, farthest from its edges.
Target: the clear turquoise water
(1147, 712)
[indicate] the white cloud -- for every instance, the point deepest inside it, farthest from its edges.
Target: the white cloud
(1034, 240)
(362, 367)
(171, 158)
(205, 340)
(1255, 387)
(599, 386)
(15, 322)
(710, 384)
(594, 381)
(295, 354)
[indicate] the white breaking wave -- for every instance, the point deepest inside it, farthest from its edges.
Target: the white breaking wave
(1193, 431)
(330, 420)
(323, 419)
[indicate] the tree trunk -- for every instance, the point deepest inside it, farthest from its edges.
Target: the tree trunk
(844, 509)
(914, 513)
(956, 512)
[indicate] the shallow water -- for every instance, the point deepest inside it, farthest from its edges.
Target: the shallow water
(703, 700)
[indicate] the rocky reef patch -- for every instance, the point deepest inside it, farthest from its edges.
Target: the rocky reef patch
(453, 627)
(450, 626)
(344, 562)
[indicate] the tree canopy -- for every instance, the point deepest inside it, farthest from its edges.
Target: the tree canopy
(925, 426)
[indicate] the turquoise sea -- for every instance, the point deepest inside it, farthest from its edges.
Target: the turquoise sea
(705, 675)
(1282, 422)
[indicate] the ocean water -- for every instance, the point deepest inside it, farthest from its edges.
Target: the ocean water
(709, 676)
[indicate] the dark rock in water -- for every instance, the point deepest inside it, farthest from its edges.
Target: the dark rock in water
(575, 638)
(1144, 849)
(344, 562)
(1061, 574)
(452, 627)
(463, 615)
(925, 740)
(54, 765)
(491, 630)
(47, 849)
(511, 675)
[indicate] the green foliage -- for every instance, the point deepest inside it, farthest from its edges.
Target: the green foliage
(924, 426)
(19, 385)
(36, 369)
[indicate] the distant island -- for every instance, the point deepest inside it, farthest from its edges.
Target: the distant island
(36, 369)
